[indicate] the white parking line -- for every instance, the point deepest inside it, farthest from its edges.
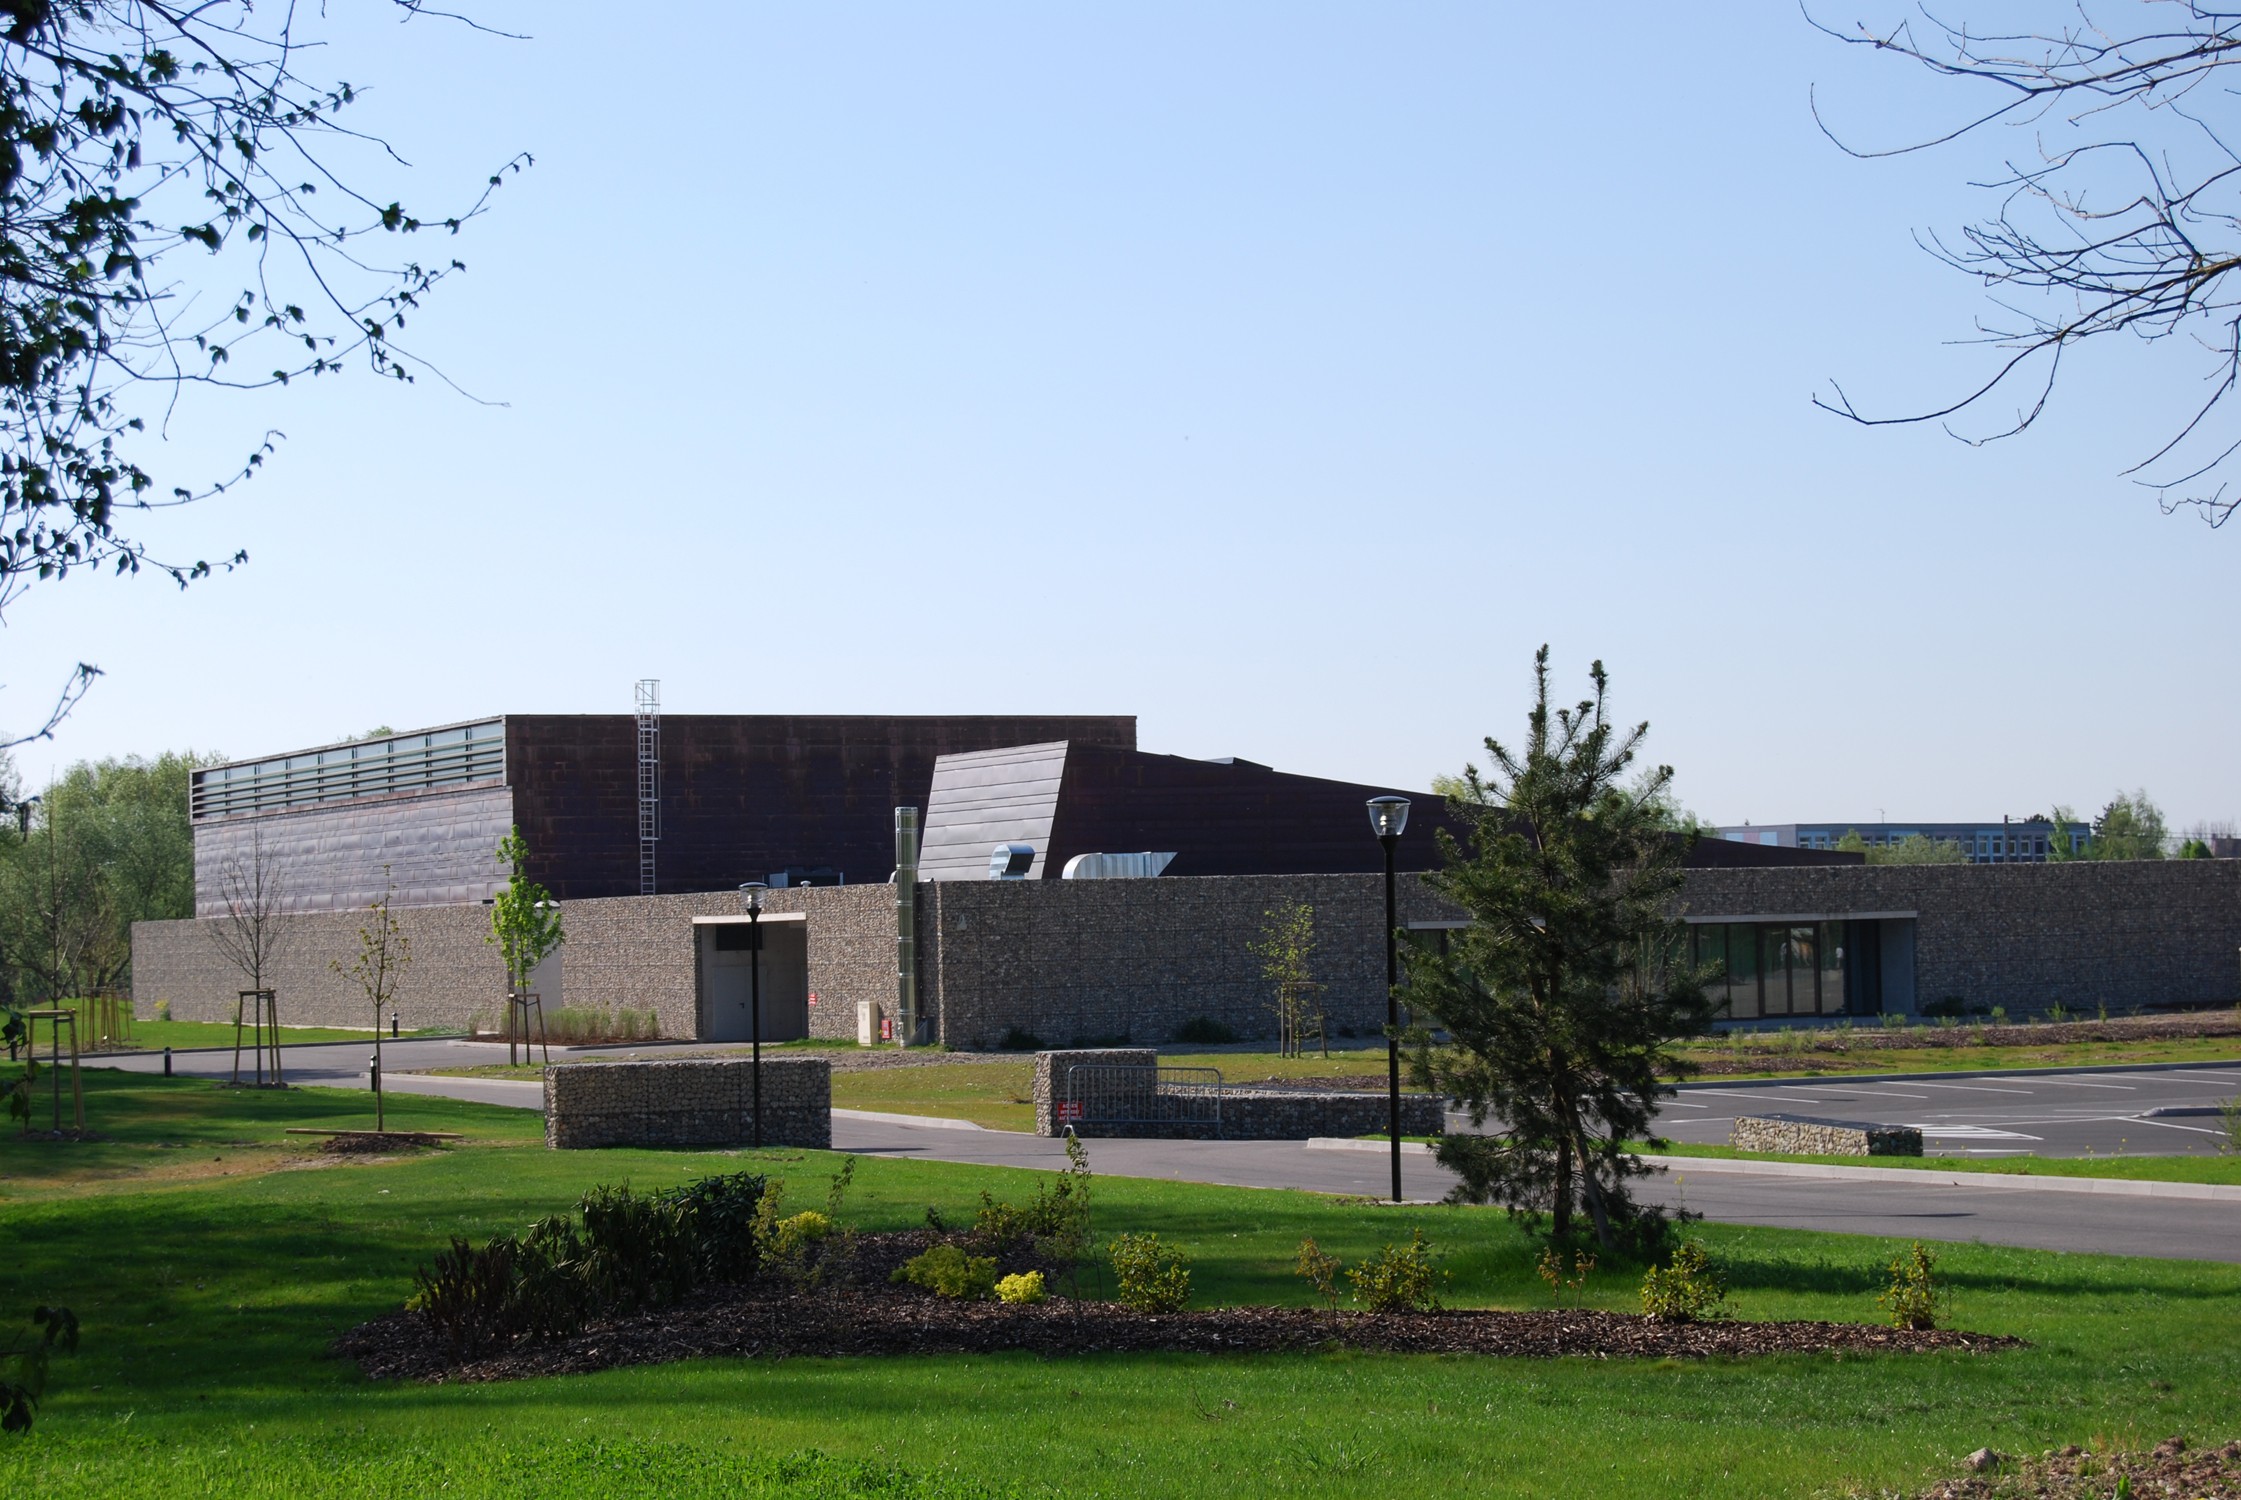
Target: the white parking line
(2212, 1077)
(2167, 1125)
(1980, 1088)
(1886, 1094)
(2069, 1083)
(1783, 1098)
(1973, 1133)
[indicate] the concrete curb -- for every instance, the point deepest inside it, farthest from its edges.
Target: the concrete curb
(931, 1122)
(1349, 1143)
(2198, 1192)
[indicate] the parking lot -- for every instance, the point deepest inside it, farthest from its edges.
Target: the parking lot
(2129, 1112)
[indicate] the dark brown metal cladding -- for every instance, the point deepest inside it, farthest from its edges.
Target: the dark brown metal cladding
(1238, 817)
(1226, 817)
(743, 795)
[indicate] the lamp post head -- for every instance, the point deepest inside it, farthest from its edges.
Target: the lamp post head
(1388, 815)
(753, 891)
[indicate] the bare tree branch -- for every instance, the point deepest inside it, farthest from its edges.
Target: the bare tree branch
(2124, 218)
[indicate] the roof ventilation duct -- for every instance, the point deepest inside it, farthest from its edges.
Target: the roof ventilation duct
(1116, 866)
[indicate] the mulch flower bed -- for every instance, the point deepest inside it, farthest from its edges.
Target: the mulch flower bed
(376, 1142)
(872, 1317)
(2170, 1468)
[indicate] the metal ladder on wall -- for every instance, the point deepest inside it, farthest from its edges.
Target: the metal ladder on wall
(649, 780)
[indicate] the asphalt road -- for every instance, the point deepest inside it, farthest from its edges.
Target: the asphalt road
(2099, 1112)
(2161, 1220)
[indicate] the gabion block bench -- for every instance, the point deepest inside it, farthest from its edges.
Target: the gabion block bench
(1801, 1135)
(707, 1101)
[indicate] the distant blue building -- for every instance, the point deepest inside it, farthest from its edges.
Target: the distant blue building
(2002, 843)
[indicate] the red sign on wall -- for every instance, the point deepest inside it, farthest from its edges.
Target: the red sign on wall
(812, 997)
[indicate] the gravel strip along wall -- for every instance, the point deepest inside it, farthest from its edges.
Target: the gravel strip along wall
(1247, 1114)
(702, 1102)
(1799, 1135)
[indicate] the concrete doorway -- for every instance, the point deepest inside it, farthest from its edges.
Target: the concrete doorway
(726, 961)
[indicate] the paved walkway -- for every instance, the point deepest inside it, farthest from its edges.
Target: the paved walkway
(2040, 1213)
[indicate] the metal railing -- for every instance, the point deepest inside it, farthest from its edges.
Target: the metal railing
(430, 760)
(1104, 1094)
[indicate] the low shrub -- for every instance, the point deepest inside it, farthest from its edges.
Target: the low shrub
(618, 1251)
(998, 1224)
(1057, 1221)
(1689, 1289)
(584, 1023)
(551, 1296)
(1205, 1031)
(163, 1010)
(1914, 1297)
(1016, 1040)
(1150, 1277)
(1319, 1269)
(805, 1228)
(637, 1251)
(720, 1211)
(24, 1367)
(1398, 1278)
(467, 1294)
(1090, 1043)
(1560, 1281)
(1021, 1289)
(947, 1271)
(805, 1249)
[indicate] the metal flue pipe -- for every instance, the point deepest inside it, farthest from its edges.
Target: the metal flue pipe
(906, 926)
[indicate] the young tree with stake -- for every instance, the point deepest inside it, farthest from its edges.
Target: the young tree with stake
(525, 924)
(384, 953)
(251, 935)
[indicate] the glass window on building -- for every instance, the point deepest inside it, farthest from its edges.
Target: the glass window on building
(1832, 969)
(1743, 998)
(1782, 969)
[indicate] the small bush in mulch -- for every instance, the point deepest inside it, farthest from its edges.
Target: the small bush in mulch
(1399, 1278)
(1153, 1278)
(1688, 1288)
(947, 1271)
(768, 1320)
(2170, 1468)
(376, 1142)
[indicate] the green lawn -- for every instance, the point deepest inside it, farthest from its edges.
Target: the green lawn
(2210, 1169)
(151, 1035)
(211, 1258)
(998, 1095)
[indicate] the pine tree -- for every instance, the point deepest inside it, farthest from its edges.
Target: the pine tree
(1562, 999)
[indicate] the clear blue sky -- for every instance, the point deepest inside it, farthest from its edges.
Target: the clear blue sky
(1282, 374)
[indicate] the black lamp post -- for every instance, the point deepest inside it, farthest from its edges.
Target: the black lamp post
(753, 890)
(1388, 816)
